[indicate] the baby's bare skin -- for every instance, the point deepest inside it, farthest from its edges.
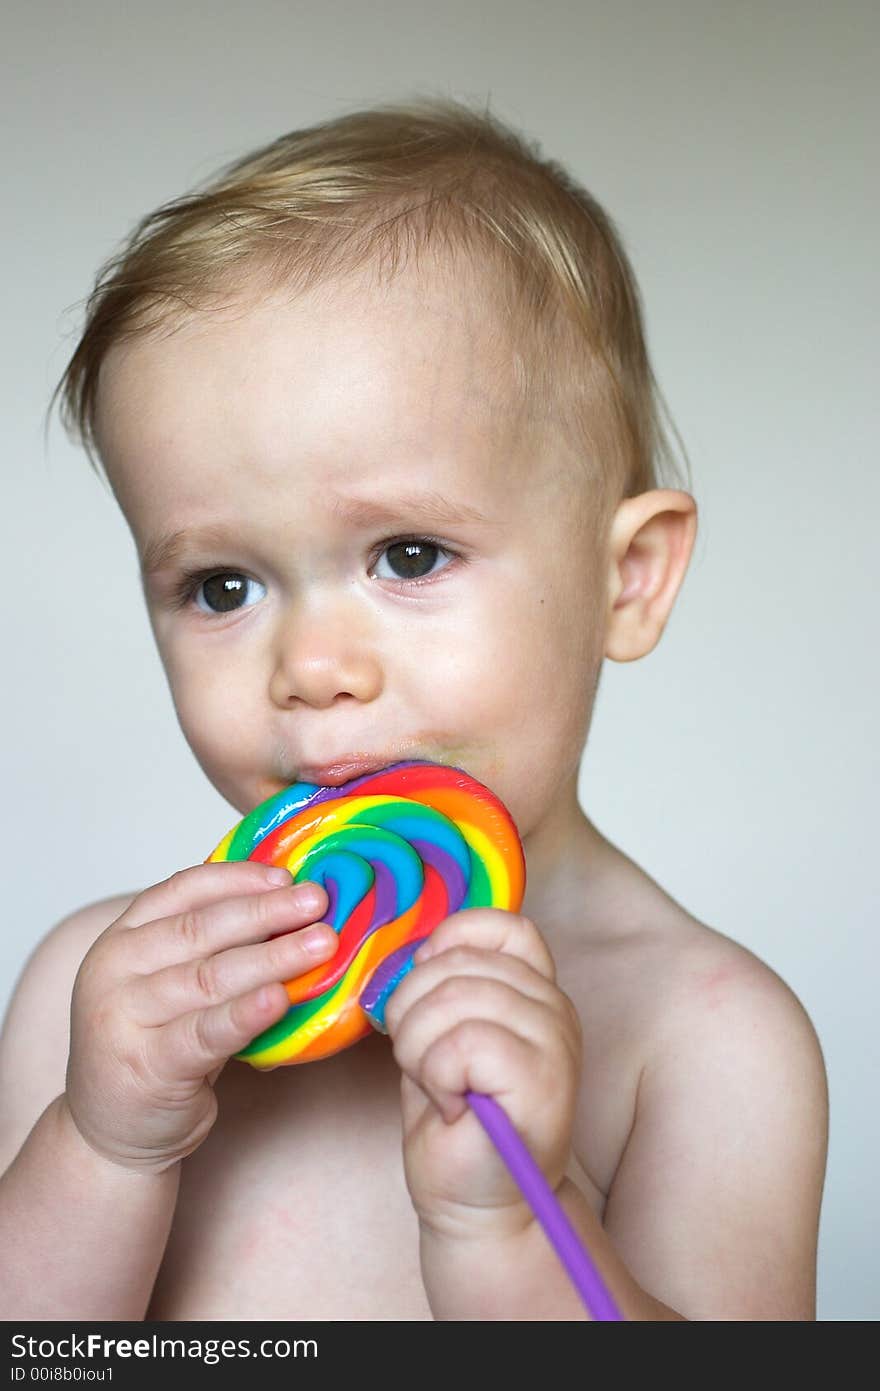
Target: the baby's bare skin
(296, 1206)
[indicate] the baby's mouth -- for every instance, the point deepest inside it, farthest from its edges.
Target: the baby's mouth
(335, 774)
(346, 766)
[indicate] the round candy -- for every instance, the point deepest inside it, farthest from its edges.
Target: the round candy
(397, 851)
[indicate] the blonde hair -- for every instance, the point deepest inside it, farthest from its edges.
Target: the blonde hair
(370, 188)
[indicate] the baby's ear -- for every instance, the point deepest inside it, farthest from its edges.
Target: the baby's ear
(651, 540)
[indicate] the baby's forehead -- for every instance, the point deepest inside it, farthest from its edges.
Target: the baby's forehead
(418, 366)
(413, 347)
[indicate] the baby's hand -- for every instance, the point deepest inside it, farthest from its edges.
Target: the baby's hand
(480, 1011)
(182, 980)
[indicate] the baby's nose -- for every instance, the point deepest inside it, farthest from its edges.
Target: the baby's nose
(316, 660)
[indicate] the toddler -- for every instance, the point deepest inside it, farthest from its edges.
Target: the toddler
(376, 406)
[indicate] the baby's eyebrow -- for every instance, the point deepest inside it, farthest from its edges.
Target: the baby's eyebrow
(165, 551)
(429, 508)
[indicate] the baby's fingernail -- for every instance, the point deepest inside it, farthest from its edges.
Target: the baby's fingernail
(423, 952)
(308, 900)
(279, 876)
(318, 941)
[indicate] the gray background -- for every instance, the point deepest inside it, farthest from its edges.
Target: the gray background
(733, 145)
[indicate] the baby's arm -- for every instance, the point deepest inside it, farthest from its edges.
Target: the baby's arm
(715, 1204)
(63, 1210)
(184, 978)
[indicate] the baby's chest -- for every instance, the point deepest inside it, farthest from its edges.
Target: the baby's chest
(296, 1206)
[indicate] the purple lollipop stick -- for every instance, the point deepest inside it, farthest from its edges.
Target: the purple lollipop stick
(546, 1207)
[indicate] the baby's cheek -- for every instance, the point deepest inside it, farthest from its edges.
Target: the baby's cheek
(533, 695)
(551, 650)
(221, 731)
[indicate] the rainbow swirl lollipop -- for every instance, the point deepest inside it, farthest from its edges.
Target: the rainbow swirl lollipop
(397, 851)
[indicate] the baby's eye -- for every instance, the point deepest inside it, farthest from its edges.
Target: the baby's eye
(226, 592)
(412, 559)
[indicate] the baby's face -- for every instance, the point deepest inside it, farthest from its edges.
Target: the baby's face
(355, 543)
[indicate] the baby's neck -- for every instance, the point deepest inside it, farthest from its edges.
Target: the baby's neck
(567, 867)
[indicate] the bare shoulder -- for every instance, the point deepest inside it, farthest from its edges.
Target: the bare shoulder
(688, 976)
(715, 1201)
(35, 1035)
(708, 996)
(657, 978)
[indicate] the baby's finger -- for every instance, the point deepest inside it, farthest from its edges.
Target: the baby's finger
(190, 1047)
(231, 922)
(153, 1000)
(492, 929)
(456, 1002)
(458, 961)
(197, 887)
(478, 1055)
